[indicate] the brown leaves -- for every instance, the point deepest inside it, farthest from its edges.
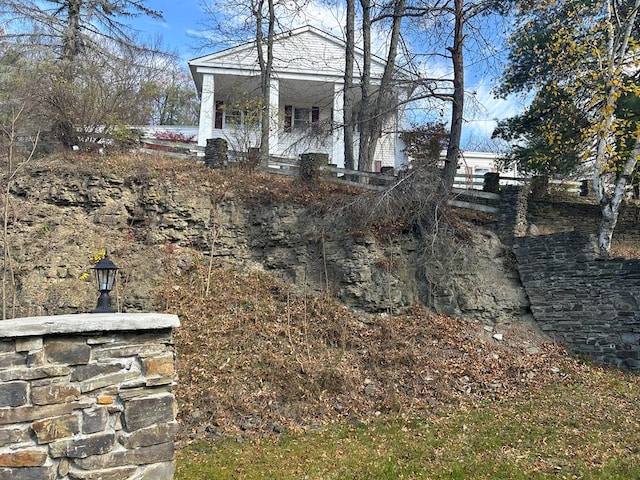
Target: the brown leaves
(252, 356)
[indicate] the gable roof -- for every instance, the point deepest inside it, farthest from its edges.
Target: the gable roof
(305, 51)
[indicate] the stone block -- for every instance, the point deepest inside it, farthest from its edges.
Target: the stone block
(161, 433)
(83, 446)
(146, 411)
(13, 394)
(29, 414)
(14, 434)
(163, 470)
(54, 393)
(118, 473)
(140, 456)
(36, 358)
(7, 346)
(86, 372)
(55, 428)
(28, 473)
(12, 360)
(107, 380)
(34, 373)
(142, 392)
(28, 344)
(63, 467)
(23, 458)
(161, 366)
(68, 352)
(128, 350)
(94, 419)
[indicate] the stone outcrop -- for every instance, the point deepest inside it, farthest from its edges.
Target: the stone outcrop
(152, 227)
(87, 396)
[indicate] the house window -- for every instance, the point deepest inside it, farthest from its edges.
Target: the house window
(219, 114)
(299, 118)
(288, 116)
(233, 118)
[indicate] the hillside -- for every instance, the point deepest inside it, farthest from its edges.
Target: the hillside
(280, 335)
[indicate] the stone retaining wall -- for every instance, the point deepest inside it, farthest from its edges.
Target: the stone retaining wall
(590, 305)
(86, 397)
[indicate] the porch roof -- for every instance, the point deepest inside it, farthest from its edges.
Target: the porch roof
(306, 53)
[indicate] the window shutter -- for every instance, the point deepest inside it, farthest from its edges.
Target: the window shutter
(218, 119)
(288, 114)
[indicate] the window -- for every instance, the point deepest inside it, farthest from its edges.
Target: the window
(299, 118)
(219, 114)
(233, 118)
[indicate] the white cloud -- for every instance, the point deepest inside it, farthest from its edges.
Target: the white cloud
(483, 111)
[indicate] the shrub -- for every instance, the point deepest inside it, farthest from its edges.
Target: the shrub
(174, 136)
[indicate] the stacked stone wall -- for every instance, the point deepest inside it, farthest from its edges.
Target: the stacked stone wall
(590, 305)
(86, 397)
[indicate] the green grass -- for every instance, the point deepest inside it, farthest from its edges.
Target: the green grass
(587, 430)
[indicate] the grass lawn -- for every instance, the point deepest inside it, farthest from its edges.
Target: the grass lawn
(586, 429)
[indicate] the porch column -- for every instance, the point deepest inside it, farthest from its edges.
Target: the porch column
(402, 124)
(274, 114)
(337, 131)
(207, 110)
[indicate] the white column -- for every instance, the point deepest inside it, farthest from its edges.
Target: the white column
(402, 124)
(274, 115)
(207, 110)
(337, 133)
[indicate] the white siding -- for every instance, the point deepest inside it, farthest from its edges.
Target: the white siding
(305, 51)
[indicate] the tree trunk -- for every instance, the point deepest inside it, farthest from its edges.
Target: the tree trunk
(63, 128)
(71, 40)
(457, 107)
(364, 113)
(349, 161)
(375, 108)
(610, 206)
(386, 93)
(266, 65)
(617, 49)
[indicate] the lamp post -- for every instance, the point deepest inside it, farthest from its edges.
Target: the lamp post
(105, 277)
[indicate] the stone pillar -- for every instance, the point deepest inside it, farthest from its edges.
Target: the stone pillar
(337, 134)
(274, 115)
(88, 396)
(215, 153)
(310, 166)
(514, 205)
(207, 110)
(491, 182)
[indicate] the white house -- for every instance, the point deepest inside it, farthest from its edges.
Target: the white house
(306, 101)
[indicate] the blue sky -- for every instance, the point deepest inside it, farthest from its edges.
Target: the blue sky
(180, 18)
(180, 24)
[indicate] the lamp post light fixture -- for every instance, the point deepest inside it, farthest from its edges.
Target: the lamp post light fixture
(105, 277)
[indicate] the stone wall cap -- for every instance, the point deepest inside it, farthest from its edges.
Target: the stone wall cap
(85, 323)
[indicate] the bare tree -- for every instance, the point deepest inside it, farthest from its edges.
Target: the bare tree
(386, 98)
(375, 107)
(349, 160)
(70, 30)
(265, 60)
(457, 97)
(456, 25)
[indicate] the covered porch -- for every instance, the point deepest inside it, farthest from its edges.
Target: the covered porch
(305, 115)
